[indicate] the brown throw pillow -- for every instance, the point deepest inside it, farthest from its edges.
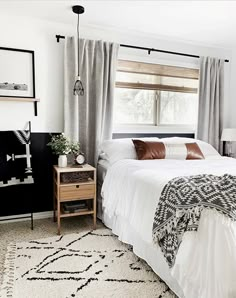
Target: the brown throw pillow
(159, 150)
(193, 151)
(149, 150)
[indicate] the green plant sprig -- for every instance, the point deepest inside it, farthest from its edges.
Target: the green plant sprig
(60, 144)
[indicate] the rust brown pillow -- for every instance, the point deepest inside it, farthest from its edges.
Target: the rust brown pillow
(149, 150)
(193, 151)
(159, 150)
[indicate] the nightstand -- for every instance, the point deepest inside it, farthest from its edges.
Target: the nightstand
(74, 185)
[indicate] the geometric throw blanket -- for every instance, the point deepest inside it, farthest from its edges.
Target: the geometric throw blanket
(85, 265)
(15, 158)
(181, 203)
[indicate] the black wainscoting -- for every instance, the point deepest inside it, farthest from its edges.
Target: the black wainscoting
(38, 196)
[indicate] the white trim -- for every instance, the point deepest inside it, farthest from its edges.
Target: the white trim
(37, 215)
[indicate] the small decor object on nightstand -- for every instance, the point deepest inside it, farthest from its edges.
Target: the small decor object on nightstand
(79, 157)
(60, 146)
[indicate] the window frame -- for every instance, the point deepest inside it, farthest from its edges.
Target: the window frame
(155, 87)
(129, 66)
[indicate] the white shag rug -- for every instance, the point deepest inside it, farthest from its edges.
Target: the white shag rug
(91, 264)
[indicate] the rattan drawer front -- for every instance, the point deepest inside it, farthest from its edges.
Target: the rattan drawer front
(77, 191)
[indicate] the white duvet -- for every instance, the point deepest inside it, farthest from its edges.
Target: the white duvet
(205, 266)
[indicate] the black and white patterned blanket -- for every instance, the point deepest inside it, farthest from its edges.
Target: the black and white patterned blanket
(181, 203)
(15, 158)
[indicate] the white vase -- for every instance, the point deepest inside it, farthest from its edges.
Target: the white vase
(62, 161)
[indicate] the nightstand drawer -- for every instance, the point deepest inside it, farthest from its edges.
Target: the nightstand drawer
(77, 191)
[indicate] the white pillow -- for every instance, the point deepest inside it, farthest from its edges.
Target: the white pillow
(117, 149)
(207, 150)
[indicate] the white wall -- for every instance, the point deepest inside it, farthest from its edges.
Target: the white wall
(39, 35)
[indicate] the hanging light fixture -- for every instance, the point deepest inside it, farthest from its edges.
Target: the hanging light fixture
(78, 86)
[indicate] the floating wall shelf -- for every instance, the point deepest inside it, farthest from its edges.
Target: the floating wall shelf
(25, 99)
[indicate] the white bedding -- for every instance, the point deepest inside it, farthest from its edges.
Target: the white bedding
(205, 266)
(102, 167)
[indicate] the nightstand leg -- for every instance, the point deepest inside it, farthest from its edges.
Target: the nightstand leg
(58, 218)
(54, 209)
(95, 213)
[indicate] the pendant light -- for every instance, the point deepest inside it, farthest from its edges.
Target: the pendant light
(78, 86)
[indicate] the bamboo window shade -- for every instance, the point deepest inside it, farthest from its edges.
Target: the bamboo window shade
(147, 76)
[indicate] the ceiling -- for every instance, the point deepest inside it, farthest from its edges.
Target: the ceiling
(205, 22)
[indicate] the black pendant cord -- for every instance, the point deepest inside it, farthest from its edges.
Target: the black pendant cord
(78, 43)
(78, 86)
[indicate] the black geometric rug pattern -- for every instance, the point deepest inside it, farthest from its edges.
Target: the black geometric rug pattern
(90, 264)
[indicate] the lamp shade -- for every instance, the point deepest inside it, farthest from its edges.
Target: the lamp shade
(229, 134)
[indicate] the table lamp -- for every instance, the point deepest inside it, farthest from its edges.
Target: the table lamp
(229, 136)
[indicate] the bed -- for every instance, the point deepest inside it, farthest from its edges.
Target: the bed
(205, 265)
(102, 168)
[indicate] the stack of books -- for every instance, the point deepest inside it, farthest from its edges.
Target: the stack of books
(76, 206)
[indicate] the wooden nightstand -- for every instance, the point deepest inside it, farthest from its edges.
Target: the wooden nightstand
(74, 184)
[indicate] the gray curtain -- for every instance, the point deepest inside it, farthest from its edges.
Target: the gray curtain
(89, 117)
(211, 98)
(71, 114)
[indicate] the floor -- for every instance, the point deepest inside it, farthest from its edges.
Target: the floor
(21, 231)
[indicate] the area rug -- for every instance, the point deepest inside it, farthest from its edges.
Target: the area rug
(90, 264)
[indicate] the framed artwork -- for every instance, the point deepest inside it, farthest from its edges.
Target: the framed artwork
(17, 73)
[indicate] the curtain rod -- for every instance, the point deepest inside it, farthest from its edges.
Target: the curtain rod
(58, 37)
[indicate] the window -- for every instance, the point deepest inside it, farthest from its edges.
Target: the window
(153, 94)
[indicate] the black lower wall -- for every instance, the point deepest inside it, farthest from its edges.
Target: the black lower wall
(38, 197)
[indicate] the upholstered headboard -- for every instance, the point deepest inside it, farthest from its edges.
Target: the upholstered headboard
(159, 135)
